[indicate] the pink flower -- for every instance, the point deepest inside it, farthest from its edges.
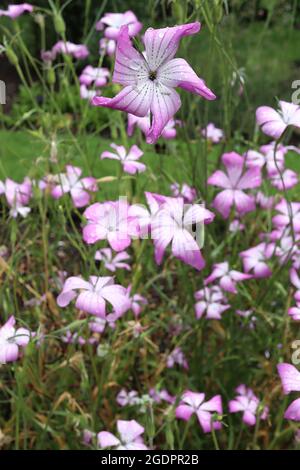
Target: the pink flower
(264, 201)
(94, 294)
(128, 160)
(87, 94)
(236, 226)
(182, 226)
(254, 260)
(17, 196)
(234, 182)
(161, 395)
(13, 11)
(112, 23)
(211, 302)
(294, 312)
(283, 218)
(107, 46)
(129, 437)
(274, 123)
(125, 398)
(177, 357)
(79, 188)
(11, 339)
(193, 403)
(110, 221)
(78, 51)
(143, 123)
(189, 194)
(290, 379)
(228, 278)
(137, 301)
(112, 263)
(94, 75)
(212, 133)
(248, 404)
(98, 324)
(149, 80)
(266, 157)
(286, 180)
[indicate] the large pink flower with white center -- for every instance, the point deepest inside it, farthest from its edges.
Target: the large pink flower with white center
(274, 123)
(128, 160)
(94, 75)
(248, 404)
(234, 182)
(144, 123)
(94, 294)
(149, 80)
(13, 11)
(111, 262)
(228, 278)
(211, 302)
(254, 259)
(11, 339)
(110, 221)
(17, 195)
(212, 133)
(182, 225)
(193, 403)
(283, 219)
(290, 379)
(130, 437)
(79, 188)
(112, 23)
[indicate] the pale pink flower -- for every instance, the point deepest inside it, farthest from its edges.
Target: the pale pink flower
(128, 160)
(228, 278)
(130, 437)
(248, 404)
(193, 403)
(136, 301)
(149, 80)
(110, 221)
(274, 123)
(255, 259)
(265, 202)
(183, 226)
(17, 195)
(107, 46)
(11, 340)
(210, 301)
(290, 379)
(177, 357)
(79, 188)
(265, 157)
(93, 295)
(143, 123)
(283, 219)
(212, 133)
(125, 398)
(99, 324)
(111, 23)
(112, 263)
(236, 226)
(88, 94)
(234, 182)
(161, 395)
(189, 194)
(94, 75)
(287, 179)
(78, 51)
(13, 11)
